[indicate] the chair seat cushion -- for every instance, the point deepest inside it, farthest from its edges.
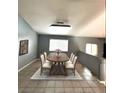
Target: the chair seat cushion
(47, 61)
(46, 65)
(69, 65)
(70, 62)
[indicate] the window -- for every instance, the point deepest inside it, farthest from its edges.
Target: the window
(58, 44)
(91, 49)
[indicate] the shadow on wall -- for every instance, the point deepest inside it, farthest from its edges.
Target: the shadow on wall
(93, 63)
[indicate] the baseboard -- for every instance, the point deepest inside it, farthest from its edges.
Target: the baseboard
(103, 82)
(34, 60)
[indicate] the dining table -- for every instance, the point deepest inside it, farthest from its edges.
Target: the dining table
(58, 63)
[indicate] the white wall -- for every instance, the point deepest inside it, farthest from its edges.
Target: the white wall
(26, 32)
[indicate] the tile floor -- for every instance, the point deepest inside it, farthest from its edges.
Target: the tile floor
(89, 84)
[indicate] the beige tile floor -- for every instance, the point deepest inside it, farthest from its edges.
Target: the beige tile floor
(89, 84)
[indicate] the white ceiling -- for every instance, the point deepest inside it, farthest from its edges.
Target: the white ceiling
(87, 17)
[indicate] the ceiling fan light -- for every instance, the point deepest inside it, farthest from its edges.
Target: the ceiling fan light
(59, 28)
(62, 25)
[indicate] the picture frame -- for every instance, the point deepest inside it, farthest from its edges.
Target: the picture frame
(23, 47)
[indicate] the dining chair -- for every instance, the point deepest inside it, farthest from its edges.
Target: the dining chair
(72, 65)
(45, 57)
(71, 58)
(44, 65)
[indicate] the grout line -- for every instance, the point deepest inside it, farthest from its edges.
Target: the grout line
(54, 88)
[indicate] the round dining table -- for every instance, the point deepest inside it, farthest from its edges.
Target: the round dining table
(58, 63)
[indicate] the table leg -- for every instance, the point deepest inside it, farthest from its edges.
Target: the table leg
(58, 69)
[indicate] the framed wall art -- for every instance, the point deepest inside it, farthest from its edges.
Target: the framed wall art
(23, 47)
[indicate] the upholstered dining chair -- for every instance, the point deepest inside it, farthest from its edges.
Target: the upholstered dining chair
(71, 58)
(44, 65)
(45, 57)
(72, 65)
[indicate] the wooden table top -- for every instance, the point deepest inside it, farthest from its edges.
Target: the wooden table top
(54, 57)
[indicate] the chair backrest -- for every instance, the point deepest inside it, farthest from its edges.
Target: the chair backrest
(72, 59)
(75, 59)
(42, 59)
(45, 56)
(71, 56)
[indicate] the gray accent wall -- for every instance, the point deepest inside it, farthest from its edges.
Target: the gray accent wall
(26, 32)
(75, 43)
